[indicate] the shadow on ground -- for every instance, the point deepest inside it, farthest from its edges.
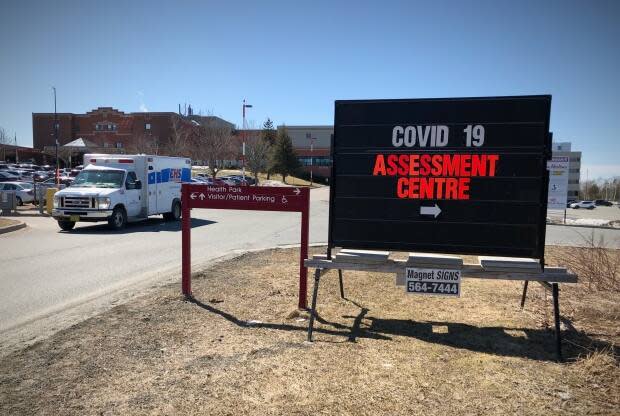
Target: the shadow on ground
(535, 344)
(151, 225)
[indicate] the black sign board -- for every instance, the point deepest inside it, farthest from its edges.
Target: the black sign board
(450, 175)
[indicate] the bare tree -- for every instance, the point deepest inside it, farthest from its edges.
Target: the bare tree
(143, 143)
(181, 140)
(214, 144)
(257, 152)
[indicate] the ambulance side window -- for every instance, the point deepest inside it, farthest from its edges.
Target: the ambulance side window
(130, 182)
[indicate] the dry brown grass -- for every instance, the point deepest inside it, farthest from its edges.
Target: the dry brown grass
(597, 265)
(239, 349)
(6, 222)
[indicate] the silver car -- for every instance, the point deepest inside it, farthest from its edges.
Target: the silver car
(23, 191)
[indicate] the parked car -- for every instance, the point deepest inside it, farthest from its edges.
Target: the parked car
(216, 182)
(29, 166)
(198, 181)
(602, 202)
(40, 176)
(5, 176)
(24, 194)
(244, 180)
(4, 166)
(583, 204)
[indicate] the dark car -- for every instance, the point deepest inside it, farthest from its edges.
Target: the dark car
(8, 177)
(41, 175)
(602, 202)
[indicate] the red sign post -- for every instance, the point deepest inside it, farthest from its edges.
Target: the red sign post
(256, 198)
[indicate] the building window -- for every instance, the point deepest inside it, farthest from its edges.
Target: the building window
(119, 145)
(106, 144)
(105, 127)
(147, 126)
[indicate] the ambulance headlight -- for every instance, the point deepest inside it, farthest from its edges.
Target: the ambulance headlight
(56, 201)
(103, 202)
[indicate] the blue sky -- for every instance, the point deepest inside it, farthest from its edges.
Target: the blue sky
(291, 60)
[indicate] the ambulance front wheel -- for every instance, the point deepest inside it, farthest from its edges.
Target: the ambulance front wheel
(118, 220)
(175, 212)
(66, 225)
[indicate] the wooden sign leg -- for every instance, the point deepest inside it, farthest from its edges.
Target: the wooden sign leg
(556, 312)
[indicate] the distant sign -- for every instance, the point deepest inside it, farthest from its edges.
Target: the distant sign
(558, 182)
(440, 282)
(454, 175)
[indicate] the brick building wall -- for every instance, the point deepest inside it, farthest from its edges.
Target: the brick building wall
(105, 126)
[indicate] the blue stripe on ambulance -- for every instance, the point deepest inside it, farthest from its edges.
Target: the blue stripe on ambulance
(164, 176)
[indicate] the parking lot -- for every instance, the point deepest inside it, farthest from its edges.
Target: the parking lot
(600, 212)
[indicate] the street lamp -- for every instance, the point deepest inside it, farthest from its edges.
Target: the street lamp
(243, 137)
(56, 136)
(311, 154)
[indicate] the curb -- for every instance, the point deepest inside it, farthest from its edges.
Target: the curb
(13, 227)
(604, 227)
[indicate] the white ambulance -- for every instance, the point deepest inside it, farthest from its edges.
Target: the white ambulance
(123, 188)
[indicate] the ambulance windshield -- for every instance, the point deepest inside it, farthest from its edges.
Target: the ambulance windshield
(99, 179)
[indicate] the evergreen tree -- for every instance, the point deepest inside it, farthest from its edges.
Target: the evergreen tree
(268, 135)
(283, 158)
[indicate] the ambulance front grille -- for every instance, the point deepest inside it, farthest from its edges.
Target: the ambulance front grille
(78, 202)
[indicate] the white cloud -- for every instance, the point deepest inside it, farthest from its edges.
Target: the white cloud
(142, 107)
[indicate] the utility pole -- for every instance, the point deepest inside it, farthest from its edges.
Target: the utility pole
(16, 155)
(244, 137)
(311, 157)
(56, 137)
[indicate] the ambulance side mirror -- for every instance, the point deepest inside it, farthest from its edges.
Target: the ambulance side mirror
(138, 184)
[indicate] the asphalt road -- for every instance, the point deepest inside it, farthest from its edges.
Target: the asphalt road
(50, 279)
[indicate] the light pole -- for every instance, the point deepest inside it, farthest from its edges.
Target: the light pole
(311, 156)
(56, 136)
(243, 137)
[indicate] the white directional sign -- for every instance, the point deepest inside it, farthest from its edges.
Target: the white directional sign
(442, 282)
(432, 210)
(558, 182)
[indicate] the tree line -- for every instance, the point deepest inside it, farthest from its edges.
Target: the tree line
(608, 189)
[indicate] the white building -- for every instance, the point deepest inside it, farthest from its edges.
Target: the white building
(574, 167)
